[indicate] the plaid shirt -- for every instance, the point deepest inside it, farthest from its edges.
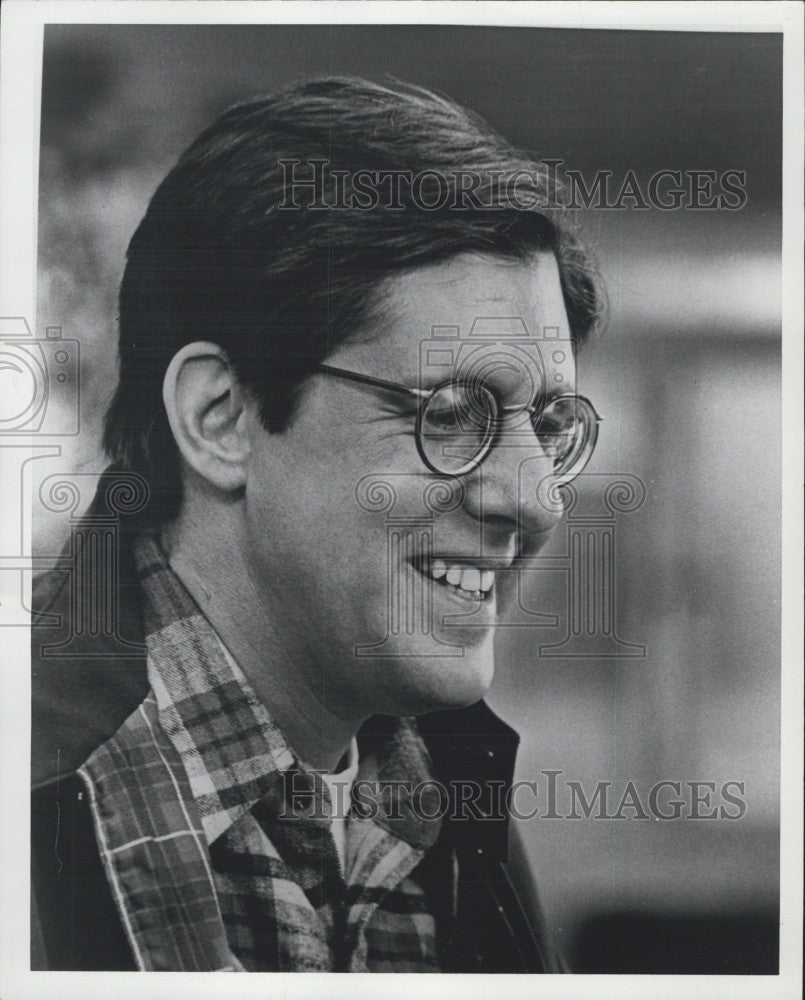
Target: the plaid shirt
(209, 867)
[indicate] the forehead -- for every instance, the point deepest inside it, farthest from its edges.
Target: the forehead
(488, 304)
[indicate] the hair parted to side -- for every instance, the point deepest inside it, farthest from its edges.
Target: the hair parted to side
(218, 258)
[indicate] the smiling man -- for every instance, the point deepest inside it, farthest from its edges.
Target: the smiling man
(295, 769)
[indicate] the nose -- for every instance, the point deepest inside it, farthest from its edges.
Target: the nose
(511, 490)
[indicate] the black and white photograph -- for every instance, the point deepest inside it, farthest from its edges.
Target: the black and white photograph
(401, 446)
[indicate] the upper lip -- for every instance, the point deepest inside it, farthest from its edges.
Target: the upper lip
(489, 562)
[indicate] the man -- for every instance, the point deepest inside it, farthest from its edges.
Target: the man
(292, 768)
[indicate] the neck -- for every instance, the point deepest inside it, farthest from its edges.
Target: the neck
(286, 676)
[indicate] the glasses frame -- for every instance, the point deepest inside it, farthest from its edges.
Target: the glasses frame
(424, 396)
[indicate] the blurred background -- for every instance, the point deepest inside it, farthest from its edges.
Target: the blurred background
(686, 373)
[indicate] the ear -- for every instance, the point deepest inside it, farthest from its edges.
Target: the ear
(207, 414)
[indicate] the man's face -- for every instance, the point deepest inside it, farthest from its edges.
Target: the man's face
(343, 540)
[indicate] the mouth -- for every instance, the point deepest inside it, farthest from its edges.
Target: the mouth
(465, 580)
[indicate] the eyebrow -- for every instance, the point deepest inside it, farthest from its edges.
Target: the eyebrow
(548, 395)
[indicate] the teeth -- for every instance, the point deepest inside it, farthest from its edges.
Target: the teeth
(437, 569)
(468, 578)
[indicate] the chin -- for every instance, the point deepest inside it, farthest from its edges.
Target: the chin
(440, 683)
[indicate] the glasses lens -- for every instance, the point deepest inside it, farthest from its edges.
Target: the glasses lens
(567, 430)
(456, 427)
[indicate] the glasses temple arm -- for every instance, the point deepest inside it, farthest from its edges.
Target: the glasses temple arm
(370, 380)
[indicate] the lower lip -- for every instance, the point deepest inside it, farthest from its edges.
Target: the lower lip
(477, 611)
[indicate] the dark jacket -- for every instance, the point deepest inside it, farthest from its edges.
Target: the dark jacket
(89, 675)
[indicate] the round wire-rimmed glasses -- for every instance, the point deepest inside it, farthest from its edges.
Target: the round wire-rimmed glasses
(458, 422)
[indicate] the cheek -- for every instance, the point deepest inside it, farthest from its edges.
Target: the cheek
(318, 525)
(310, 537)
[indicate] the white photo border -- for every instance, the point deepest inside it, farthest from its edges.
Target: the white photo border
(20, 83)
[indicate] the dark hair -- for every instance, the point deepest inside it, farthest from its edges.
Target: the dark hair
(218, 258)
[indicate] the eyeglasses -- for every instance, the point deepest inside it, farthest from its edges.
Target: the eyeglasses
(458, 422)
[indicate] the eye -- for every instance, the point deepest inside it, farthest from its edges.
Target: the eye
(459, 408)
(443, 416)
(558, 427)
(456, 425)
